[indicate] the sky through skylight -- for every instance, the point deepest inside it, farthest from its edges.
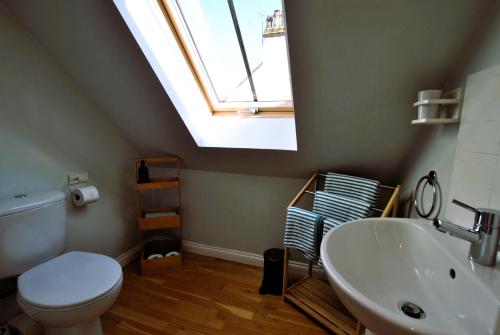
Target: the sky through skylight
(212, 30)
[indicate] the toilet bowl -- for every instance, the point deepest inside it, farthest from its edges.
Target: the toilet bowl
(69, 293)
(66, 293)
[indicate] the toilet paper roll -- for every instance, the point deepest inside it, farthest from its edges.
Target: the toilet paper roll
(172, 253)
(85, 195)
(153, 256)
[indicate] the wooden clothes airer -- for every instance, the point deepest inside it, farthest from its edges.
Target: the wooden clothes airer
(316, 297)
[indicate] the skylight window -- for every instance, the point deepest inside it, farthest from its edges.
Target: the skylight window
(238, 51)
(203, 82)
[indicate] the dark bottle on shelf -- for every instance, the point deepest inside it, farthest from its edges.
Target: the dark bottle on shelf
(143, 173)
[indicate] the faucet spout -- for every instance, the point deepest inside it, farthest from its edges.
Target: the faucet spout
(483, 237)
(457, 231)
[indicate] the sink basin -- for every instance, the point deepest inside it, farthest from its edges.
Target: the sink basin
(377, 265)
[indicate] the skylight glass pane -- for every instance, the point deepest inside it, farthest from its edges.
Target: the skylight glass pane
(212, 30)
(263, 31)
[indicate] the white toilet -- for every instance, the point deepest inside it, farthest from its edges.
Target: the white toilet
(67, 294)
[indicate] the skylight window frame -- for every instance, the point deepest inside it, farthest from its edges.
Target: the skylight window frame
(279, 108)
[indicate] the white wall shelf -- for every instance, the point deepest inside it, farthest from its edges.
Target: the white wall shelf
(449, 111)
(434, 121)
(437, 102)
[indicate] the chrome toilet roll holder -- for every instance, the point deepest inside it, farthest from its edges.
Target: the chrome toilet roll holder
(70, 182)
(79, 195)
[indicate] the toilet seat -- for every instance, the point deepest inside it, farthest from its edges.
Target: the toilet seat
(70, 281)
(102, 299)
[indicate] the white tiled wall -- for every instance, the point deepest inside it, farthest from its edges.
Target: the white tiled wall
(476, 170)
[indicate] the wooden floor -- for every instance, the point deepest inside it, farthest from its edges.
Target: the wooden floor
(205, 296)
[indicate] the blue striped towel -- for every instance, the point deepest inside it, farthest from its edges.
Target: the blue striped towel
(339, 208)
(327, 225)
(330, 224)
(354, 187)
(304, 231)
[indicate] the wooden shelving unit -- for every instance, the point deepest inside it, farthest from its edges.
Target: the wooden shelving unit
(159, 183)
(167, 217)
(315, 297)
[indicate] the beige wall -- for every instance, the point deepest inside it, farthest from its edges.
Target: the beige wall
(435, 148)
(356, 66)
(105, 60)
(235, 211)
(49, 127)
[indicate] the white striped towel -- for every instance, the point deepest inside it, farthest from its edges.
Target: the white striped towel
(339, 208)
(327, 225)
(354, 187)
(303, 231)
(330, 224)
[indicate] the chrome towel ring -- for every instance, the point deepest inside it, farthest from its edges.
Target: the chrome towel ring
(431, 180)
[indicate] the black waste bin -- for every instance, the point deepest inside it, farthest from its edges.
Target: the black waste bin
(272, 283)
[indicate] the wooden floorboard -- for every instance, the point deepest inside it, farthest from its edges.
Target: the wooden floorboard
(204, 296)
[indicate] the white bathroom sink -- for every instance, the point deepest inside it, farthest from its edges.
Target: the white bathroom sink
(376, 265)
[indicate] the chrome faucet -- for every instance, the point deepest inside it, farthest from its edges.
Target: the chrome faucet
(483, 236)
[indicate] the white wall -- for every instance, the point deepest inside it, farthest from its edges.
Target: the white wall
(435, 147)
(49, 127)
(476, 168)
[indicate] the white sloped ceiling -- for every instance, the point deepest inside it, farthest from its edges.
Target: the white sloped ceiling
(356, 67)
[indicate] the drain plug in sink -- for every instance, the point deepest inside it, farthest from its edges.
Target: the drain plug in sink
(413, 310)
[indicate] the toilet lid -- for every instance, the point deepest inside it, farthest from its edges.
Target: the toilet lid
(71, 279)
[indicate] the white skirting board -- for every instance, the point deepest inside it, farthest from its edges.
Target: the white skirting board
(222, 253)
(128, 256)
(243, 257)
